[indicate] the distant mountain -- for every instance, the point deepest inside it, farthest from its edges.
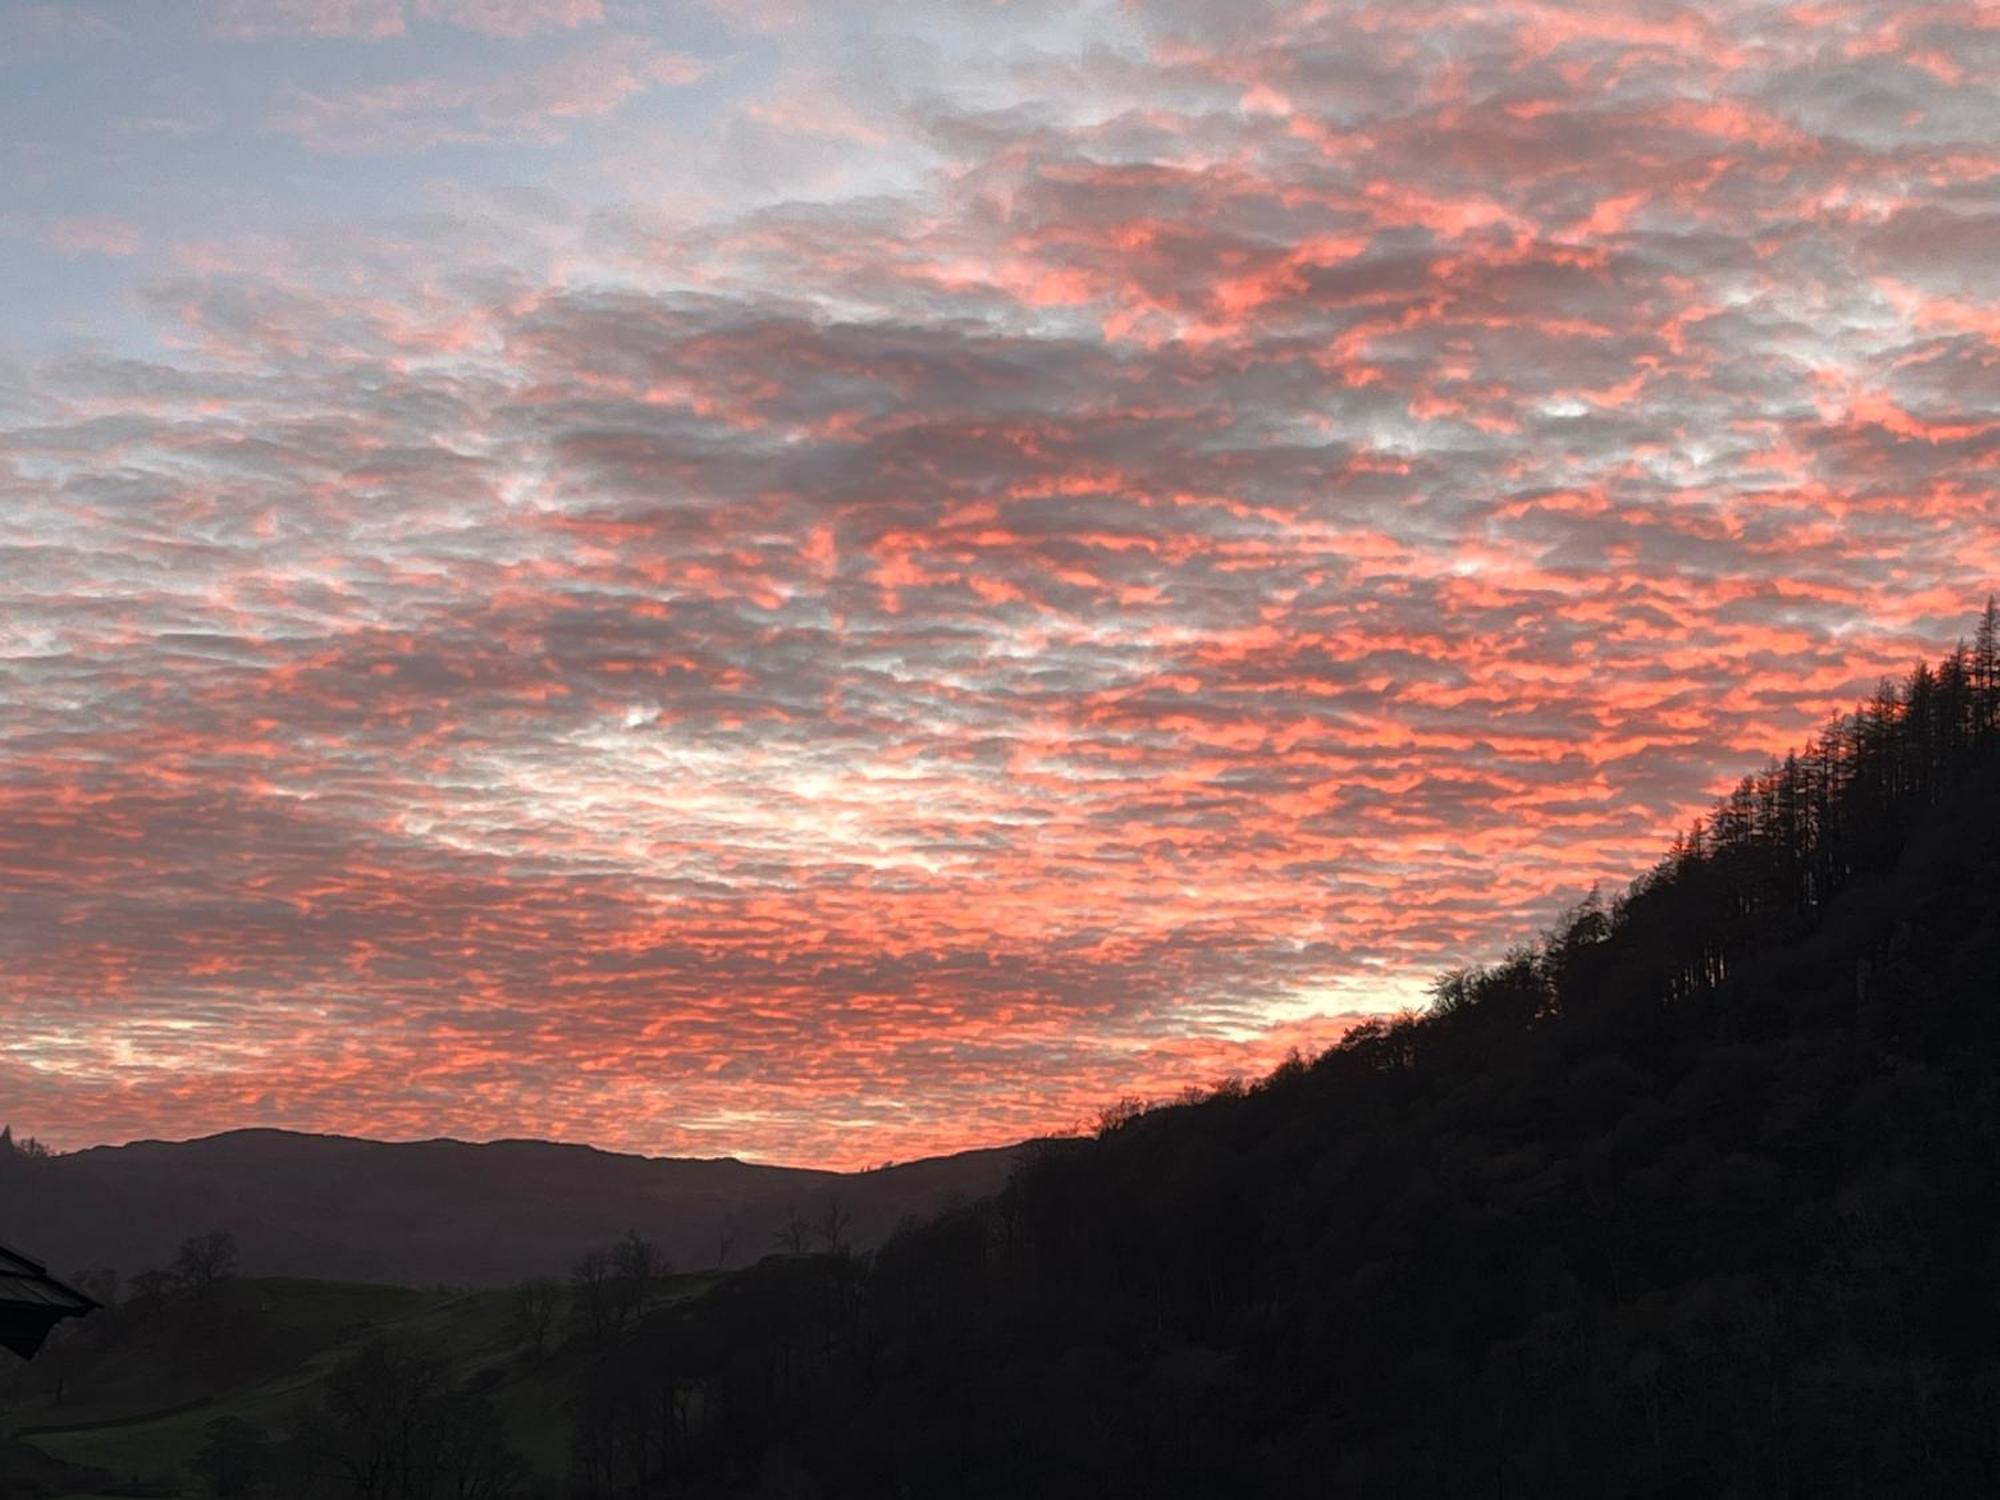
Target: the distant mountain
(424, 1212)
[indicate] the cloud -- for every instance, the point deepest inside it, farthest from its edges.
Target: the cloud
(91, 234)
(513, 18)
(374, 20)
(1290, 498)
(472, 106)
(30, 32)
(258, 20)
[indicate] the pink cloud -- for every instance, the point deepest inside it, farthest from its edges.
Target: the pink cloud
(373, 20)
(40, 26)
(1281, 508)
(471, 106)
(512, 18)
(251, 20)
(92, 234)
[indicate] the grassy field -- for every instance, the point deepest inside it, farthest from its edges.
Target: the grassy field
(131, 1397)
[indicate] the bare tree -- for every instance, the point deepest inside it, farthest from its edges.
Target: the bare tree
(796, 1237)
(535, 1304)
(1114, 1117)
(205, 1259)
(25, 1146)
(590, 1279)
(392, 1423)
(234, 1457)
(636, 1262)
(833, 1226)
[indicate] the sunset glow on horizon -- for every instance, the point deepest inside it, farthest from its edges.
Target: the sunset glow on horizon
(833, 582)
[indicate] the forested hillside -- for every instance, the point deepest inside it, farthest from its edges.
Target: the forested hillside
(1696, 1197)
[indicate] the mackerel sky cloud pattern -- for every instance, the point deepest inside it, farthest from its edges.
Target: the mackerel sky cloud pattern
(837, 582)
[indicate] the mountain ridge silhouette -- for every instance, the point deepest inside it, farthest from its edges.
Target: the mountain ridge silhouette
(471, 1213)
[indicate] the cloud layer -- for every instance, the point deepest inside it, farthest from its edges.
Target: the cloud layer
(1236, 507)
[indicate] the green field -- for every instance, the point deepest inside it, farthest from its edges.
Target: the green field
(131, 1396)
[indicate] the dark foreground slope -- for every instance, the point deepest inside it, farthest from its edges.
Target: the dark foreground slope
(423, 1212)
(229, 1389)
(1697, 1198)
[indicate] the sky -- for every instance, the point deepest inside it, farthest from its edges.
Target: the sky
(828, 581)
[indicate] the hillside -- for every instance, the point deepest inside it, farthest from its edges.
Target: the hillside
(428, 1212)
(1698, 1196)
(128, 1403)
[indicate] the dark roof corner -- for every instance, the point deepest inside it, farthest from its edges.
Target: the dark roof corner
(32, 1302)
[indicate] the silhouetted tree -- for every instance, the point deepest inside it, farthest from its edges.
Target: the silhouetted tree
(1986, 671)
(1113, 1117)
(204, 1259)
(1694, 1196)
(392, 1424)
(234, 1457)
(834, 1223)
(593, 1304)
(796, 1235)
(26, 1148)
(535, 1304)
(635, 1264)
